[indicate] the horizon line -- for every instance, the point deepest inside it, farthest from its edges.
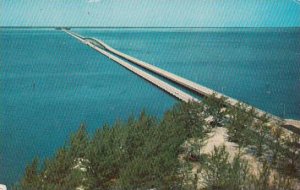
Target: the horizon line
(149, 26)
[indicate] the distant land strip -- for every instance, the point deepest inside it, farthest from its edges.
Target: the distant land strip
(25, 27)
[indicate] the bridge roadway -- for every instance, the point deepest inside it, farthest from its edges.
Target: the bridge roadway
(201, 90)
(157, 82)
(290, 124)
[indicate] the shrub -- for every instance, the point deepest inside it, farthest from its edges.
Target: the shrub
(221, 174)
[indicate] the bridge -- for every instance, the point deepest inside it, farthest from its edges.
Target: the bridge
(155, 81)
(103, 48)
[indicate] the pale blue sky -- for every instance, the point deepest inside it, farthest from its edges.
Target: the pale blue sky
(147, 13)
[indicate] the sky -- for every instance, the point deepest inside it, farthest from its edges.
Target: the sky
(151, 13)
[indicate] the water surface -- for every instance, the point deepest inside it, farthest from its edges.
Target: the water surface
(50, 83)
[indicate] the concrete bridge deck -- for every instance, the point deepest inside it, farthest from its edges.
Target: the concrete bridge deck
(157, 82)
(201, 90)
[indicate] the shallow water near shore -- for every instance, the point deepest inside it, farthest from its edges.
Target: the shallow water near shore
(50, 83)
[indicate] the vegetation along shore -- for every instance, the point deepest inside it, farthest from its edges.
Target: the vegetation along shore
(206, 145)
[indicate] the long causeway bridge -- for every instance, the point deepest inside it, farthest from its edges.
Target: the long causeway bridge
(120, 58)
(143, 74)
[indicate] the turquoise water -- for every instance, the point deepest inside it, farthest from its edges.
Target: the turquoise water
(50, 83)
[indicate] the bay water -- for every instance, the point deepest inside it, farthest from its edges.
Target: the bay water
(50, 83)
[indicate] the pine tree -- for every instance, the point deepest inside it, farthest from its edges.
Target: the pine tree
(79, 142)
(240, 122)
(31, 179)
(214, 106)
(262, 131)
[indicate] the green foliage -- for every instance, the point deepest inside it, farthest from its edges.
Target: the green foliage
(58, 173)
(292, 156)
(57, 170)
(143, 152)
(283, 182)
(213, 107)
(262, 182)
(31, 176)
(216, 168)
(276, 145)
(189, 116)
(152, 154)
(105, 154)
(240, 122)
(139, 153)
(262, 132)
(79, 142)
(221, 174)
